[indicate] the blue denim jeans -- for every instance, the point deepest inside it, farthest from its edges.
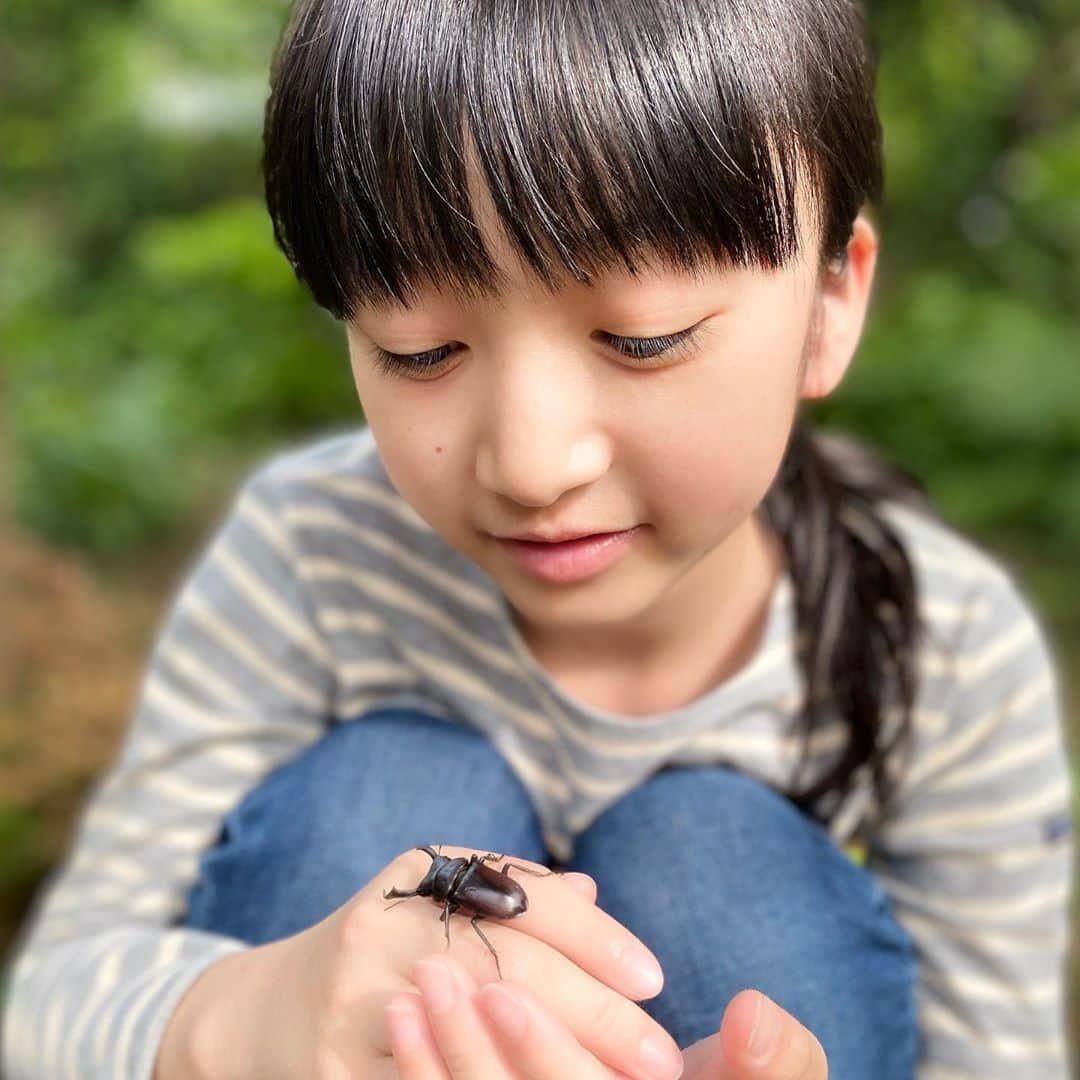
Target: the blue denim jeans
(726, 882)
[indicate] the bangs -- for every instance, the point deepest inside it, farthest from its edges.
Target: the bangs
(606, 134)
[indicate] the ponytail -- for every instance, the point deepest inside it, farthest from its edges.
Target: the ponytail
(856, 610)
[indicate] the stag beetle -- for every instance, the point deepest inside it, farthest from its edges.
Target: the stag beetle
(470, 885)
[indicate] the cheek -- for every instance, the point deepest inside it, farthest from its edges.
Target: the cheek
(416, 449)
(720, 443)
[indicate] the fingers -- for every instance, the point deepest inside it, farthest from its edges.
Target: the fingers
(412, 1044)
(538, 1043)
(563, 917)
(761, 1041)
(499, 1033)
(568, 975)
(581, 883)
(442, 1037)
(612, 1028)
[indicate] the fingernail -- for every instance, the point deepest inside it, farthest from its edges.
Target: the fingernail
(581, 883)
(437, 984)
(505, 1009)
(765, 1036)
(660, 1058)
(643, 976)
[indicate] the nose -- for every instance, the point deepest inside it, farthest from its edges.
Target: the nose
(540, 436)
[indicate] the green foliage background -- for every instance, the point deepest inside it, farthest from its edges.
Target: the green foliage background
(152, 331)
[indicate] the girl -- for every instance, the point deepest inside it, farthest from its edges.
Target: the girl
(790, 731)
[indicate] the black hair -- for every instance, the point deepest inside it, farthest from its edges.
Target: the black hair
(608, 131)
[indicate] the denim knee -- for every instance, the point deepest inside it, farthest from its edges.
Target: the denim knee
(733, 887)
(315, 830)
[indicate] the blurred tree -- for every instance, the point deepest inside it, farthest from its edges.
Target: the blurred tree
(155, 338)
(152, 330)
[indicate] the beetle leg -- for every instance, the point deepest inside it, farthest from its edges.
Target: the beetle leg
(535, 873)
(475, 920)
(389, 894)
(503, 868)
(445, 917)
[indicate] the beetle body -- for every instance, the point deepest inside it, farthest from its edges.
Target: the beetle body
(470, 886)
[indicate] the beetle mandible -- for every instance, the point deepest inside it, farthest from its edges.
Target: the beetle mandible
(469, 885)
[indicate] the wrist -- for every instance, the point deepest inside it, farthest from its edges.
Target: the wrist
(206, 1037)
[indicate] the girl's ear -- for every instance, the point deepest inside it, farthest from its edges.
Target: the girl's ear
(844, 295)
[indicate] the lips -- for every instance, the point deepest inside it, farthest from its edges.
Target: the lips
(560, 537)
(570, 560)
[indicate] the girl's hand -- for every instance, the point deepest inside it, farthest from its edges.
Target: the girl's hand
(315, 1004)
(575, 1025)
(504, 1032)
(454, 1030)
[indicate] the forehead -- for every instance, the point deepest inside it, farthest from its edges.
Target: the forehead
(655, 280)
(655, 286)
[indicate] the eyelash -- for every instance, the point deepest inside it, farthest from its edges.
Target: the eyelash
(637, 348)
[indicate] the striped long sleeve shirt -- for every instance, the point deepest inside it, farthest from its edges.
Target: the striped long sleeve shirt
(321, 595)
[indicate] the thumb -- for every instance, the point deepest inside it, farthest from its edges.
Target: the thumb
(761, 1041)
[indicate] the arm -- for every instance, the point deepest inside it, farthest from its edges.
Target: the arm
(238, 681)
(978, 862)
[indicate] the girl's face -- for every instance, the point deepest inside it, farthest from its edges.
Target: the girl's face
(535, 421)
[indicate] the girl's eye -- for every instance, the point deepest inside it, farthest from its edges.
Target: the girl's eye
(636, 348)
(649, 348)
(410, 364)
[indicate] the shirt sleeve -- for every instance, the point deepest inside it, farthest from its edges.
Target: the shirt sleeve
(978, 860)
(239, 679)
